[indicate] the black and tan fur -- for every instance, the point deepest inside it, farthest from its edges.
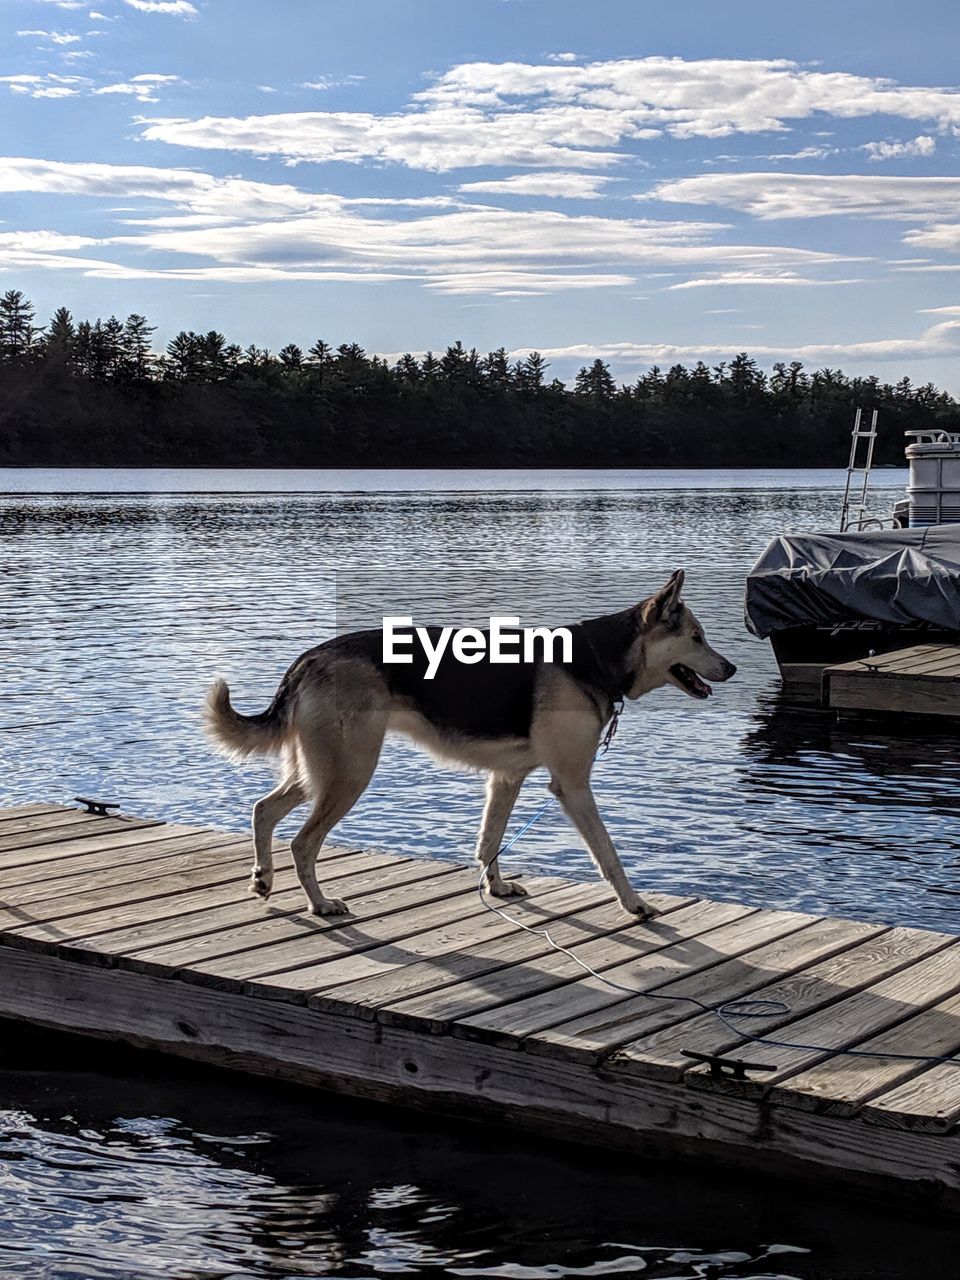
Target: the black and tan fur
(337, 702)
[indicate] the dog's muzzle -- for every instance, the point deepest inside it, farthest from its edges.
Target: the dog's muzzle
(691, 683)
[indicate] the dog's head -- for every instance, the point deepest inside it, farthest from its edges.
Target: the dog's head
(672, 648)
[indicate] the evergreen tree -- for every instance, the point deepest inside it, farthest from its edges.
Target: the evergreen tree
(595, 382)
(61, 338)
(16, 327)
(135, 345)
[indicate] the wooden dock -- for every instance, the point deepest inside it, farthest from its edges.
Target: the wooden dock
(921, 680)
(143, 932)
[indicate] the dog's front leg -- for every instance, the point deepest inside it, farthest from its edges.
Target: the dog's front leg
(581, 808)
(502, 792)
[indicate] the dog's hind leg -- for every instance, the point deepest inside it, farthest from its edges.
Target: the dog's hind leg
(580, 807)
(267, 812)
(339, 772)
(502, 792)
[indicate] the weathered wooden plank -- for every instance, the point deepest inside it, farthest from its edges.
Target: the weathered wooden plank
(840, 1085)
(107, 852)
(788, 950)
(461, 1007)
(15, 917)
(920, 695)
(389, 913)
(201, 911)
(92, 874)
(594, 915)
(68, 833)
(47, 820)
(941, 664)
(562, 1099)
(42, 935)
(444, 928)
(214, 954)
(660, 1055)
(531, 1017)
(17, 812)
(845, 1024)
(347, 984)
(56, 853)
(928, 1102)
(433, 929)
(903, 659)
(73, 915)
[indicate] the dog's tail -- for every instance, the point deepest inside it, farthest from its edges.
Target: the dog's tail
(237, 735)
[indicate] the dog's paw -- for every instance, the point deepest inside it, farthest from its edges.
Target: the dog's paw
(260, 886)
(509, 889)
(636, 907)
(329, 907)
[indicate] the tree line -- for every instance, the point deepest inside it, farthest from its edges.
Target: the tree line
(81, 393)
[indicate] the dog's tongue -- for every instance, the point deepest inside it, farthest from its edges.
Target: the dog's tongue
(691, 681)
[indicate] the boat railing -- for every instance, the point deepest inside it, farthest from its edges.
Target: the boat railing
(949, 438)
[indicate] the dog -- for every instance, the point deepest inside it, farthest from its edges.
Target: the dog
(334, 706)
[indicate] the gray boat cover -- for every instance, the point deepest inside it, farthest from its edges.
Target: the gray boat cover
(889, 575)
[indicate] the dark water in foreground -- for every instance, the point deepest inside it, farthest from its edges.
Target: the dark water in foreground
(116, 608)
(149, 1170)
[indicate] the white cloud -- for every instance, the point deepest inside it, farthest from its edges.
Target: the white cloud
(55, 37)
(561, 57)
(46, 86)
(805, 153)
(142, 87)
(200, 194)
(944, 236)
(174, 8)
(234, 226)
(564, 115)
(923, 145)
(521, 284)
(729, 278)
(437, 140)
(43, 241)
(567, 186)
(939, 340)
(810, 195)
(323, 83)
(64, 4)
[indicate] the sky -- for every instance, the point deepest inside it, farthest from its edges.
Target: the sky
(644, 182)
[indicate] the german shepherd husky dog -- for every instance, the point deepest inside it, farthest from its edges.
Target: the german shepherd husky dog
(334, 706)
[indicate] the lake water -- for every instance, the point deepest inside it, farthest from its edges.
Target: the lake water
(123, 593)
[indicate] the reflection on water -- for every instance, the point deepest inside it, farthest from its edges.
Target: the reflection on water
(194, 1176)
(117, 610)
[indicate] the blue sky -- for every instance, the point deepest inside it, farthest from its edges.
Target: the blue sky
(644, 182)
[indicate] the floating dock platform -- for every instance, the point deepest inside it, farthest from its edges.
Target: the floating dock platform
(142, 932)
(921, 680)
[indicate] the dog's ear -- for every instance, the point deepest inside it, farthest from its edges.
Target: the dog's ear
(665, 602)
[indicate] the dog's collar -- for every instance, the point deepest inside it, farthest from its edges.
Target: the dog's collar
(612, 684)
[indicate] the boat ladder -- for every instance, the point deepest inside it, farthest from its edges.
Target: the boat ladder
(853, 514)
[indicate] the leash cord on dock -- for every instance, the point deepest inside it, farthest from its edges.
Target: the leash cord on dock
(744, 1008)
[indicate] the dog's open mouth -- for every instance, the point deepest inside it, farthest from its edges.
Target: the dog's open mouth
(690, 681)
